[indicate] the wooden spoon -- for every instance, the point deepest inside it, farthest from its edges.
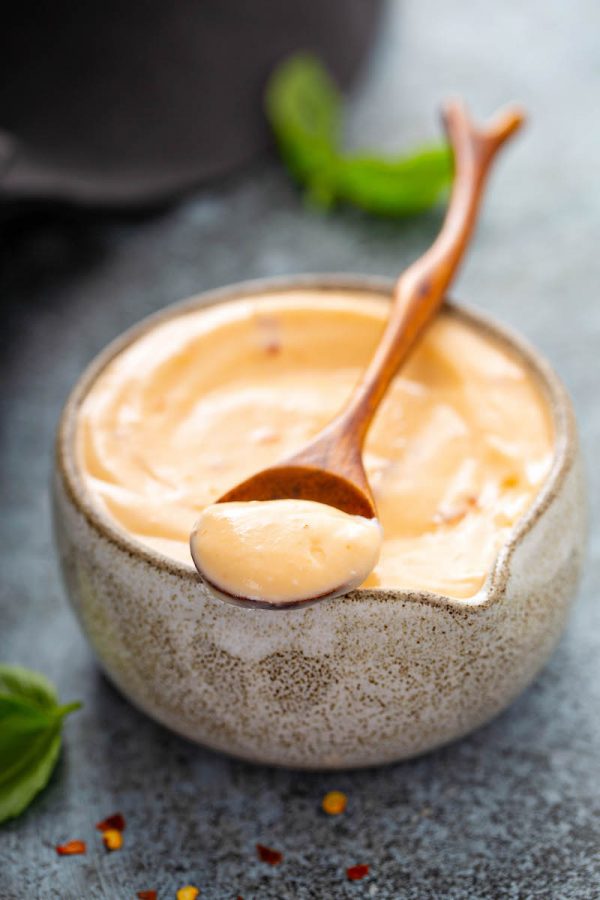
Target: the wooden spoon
(329, 469)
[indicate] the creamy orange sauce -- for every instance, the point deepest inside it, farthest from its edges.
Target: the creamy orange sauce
(459, 448)
(284, 551)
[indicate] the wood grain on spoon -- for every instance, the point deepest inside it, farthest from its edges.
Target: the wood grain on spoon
(330, 469)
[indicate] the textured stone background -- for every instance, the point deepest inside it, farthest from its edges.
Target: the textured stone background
(512, 811)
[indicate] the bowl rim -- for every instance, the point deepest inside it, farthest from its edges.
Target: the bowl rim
(553, 390)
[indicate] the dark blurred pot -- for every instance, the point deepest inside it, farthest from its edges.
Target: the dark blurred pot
(121, 103)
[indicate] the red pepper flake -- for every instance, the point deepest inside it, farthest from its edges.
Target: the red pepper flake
(116, 822)
(113, 839)
(272, 348)
(147, 895)
(267, 855)
(269, 332)
(71, 848)
(355, 873)
(334, 803)
(189, 892)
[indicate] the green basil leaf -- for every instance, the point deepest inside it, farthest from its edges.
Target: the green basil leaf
(28, 686)
(30, 736)
(31, 775)
(404, 186)
(304, 108)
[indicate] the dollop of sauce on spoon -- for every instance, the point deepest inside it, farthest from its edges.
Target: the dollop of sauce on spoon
(284, 552)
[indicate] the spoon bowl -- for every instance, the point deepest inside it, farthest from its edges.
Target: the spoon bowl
(237, 600)
(300, 482)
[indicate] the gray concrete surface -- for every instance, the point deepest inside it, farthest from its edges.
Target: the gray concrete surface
(510, 812)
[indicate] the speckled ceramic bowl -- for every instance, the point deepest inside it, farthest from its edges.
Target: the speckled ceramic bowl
(368, 678)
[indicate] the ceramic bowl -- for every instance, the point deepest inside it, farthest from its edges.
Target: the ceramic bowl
(375, 676)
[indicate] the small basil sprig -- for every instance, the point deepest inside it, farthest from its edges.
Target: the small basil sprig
(305, 110)
(30, 736)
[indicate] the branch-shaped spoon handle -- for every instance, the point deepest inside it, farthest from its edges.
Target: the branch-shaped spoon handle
(330, 469)
(420, 290)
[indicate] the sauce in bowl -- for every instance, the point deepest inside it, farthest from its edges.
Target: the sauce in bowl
(459, 448)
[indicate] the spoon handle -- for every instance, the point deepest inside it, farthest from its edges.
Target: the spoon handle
(420, 290)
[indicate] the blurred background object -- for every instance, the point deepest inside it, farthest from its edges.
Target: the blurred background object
(120, 104)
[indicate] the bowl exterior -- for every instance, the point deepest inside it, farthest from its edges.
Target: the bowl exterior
(361, 680)
(368, 678)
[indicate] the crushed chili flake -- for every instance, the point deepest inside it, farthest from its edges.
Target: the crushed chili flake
(355, 873)
(112, 839)
(452, 515)
(115, 821)
(267, 855)
(334, 803)
(71, 848)
(189, 892)
(147, 895)
(269, 334)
